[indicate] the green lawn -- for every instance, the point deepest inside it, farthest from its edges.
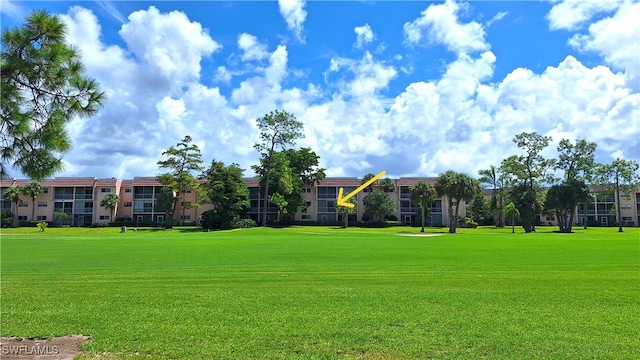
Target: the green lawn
(325, 293)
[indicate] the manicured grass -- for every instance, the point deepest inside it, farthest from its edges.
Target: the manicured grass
(325, 293)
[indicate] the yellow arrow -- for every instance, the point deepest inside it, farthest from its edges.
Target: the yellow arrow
(342, 201)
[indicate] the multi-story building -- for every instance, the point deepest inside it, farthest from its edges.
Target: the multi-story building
(81, 198)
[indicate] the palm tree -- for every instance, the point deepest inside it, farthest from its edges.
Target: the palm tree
(32, 190)
(510, 210)
(495, 178)
(346, 210)
(387, 185)
(459, 187)
(110, 201)
(423, 195)
(13, 194)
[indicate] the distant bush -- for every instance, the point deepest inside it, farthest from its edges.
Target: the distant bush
(471, 224)
(98, 225)
(190, 223)
(28, 223)
(122, 223)
(6, 219)
(244, 223)
(392, 218)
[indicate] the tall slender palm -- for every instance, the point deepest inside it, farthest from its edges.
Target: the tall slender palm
(13, 194)
(494, 177)
(33, 190)
(510, 210)
(423, 195)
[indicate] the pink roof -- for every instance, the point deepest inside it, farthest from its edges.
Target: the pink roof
(412, 181)
(336, 181)
(146, 181)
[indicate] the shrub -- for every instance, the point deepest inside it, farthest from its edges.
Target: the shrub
(6, 219)
(118, 223)
(392, 218)
(244, 223)
(43, 225)
(98, 225)
(28, 223)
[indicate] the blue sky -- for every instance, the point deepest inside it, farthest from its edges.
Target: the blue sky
(413, 88)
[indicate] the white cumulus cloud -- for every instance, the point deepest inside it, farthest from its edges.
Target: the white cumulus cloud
(439, 24)
(364, 35)
(294, 14)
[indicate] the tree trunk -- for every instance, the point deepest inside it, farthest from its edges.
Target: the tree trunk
(15, 218)
(345, 219)
(618, 214)
(33, 209)
(454, 220)
(266, 196)
(422, 216)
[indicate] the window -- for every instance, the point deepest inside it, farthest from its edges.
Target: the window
(308, 204)
(306, 190)
(23, 204)
(104, 217)
(185, 217)
(625, 206)
(41, 218)
(127, 204)
(626, 218)
(127, 190)
(45, 190)
(306, 217)
(105, 190)
(551, 218)
(42, 204)
(327, 193)
(22, 217)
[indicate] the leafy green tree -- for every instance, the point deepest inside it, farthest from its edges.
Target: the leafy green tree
(13, 194)
(576, 160)
(165, 203)
(228, 193)
(479, 210)
(62, 217)
(278, 129)
(291, 170)
(44, 86)
(367, 177)
(182, 160)
(423, 194)
(620, 175)
(377, 205)
(530, 171)
(33, 190)
(512, 212)
(562, 200)
(110, 201)
(386, 185)
(496, 179)
(459, 187)
(346, 210)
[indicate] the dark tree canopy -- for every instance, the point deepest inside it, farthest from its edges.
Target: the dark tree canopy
(459, 187)
(183, 160)
(619, 175)
(377, 205)
(529, 171)
(423, 194)
(562, 199)
(227, 192)
(43, 88)
(278, 130)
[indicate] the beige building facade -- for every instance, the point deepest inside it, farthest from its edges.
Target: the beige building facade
(81, 198)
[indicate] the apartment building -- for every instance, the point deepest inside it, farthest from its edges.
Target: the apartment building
(81, 198)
